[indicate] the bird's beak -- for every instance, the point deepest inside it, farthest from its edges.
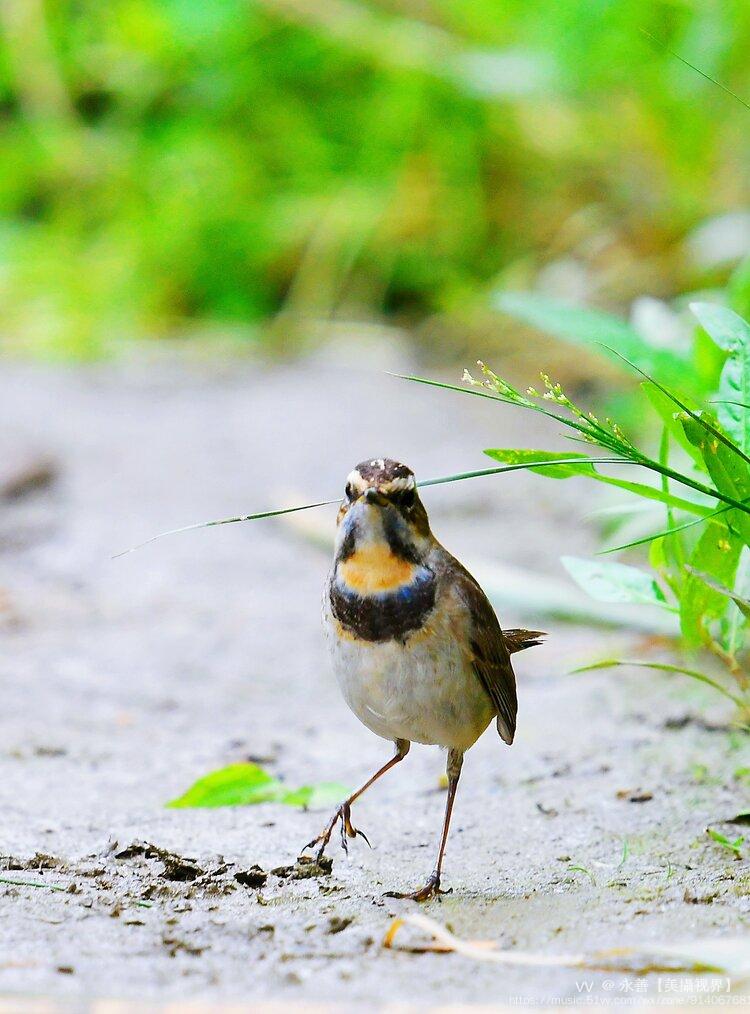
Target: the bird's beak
(374, 496)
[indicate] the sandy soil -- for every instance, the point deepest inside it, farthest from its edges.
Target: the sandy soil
(123, 681)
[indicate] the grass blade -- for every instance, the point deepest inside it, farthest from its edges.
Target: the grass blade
(702, 73)
(611, 663)
(225, 521)
(478, 473)
(664, 533)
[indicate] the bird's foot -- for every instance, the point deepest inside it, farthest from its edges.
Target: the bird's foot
(348, 830)
(430, 890)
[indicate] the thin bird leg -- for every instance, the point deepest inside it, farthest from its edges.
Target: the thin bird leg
(432, 888)
(343, 812)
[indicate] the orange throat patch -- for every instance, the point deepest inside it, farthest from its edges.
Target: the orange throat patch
(374, 569)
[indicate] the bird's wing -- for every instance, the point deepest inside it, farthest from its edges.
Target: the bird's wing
(490, 657)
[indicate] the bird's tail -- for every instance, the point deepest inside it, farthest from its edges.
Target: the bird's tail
(518, 640)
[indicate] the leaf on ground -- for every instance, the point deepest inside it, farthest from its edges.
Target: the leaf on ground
(315, 797)
(247, 784)
(728, 955)
(614, 582)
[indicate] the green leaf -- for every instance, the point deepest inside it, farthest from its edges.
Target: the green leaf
(734, 385)
(716, 553)
(591, 329)
(581, 464)
(742, 604)
(518, 456)
(248, 784)
(726, 327)
(731, 333)
(725, 465)
(614, 582)
(235, 785)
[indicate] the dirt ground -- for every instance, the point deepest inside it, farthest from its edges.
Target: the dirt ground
(124, 680)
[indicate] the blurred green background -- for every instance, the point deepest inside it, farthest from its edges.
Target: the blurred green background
(264, 171)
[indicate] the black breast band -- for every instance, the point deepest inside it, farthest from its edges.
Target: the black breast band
(388, 616)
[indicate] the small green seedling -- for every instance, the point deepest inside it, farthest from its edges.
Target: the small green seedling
(625, 853)
(721, 839)
(584, 871)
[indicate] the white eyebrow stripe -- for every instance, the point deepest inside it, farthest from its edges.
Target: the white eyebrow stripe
(355, 480)
(403, 482)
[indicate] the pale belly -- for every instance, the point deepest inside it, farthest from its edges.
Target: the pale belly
(423, 691)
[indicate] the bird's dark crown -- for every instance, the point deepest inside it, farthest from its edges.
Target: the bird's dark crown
(389, 484)
(383, 474)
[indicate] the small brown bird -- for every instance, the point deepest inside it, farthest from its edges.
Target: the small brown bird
(416, 647)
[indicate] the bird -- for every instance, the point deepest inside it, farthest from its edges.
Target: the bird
(416, 647)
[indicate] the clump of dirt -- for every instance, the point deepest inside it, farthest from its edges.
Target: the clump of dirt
(337, 923)
(39, 861)
(176, 944)
(305, 868)
(252, 877)
(176, 867)
(26, 474)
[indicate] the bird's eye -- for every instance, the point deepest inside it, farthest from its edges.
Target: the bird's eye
(349, 491)
(404, 498)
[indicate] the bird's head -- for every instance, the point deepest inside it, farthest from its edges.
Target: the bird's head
(381, 510)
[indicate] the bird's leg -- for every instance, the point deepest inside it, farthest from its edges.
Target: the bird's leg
(432, 888)
(343, 812)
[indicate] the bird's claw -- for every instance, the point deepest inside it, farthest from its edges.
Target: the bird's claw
(430, 890)
(348, 830)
